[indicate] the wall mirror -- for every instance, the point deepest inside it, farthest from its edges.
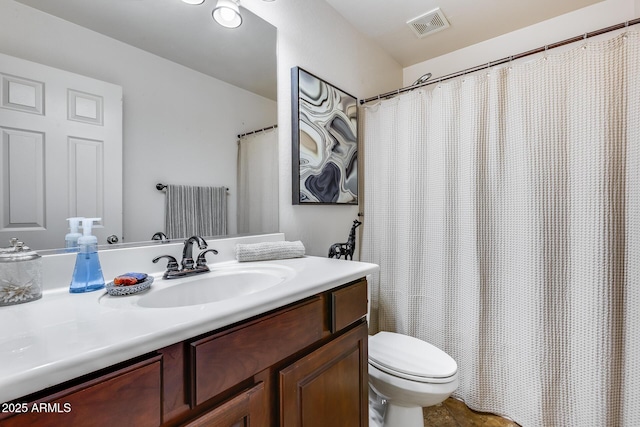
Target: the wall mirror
(189, 88)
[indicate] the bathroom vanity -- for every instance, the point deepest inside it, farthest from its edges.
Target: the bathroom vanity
(294, 354)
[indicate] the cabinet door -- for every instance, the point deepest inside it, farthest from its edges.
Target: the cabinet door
(329, 386)
(244, 410)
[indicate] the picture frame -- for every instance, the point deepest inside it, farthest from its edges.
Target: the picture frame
(324, 147)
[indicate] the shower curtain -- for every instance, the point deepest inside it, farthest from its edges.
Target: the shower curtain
(504, 211)
(258, 182)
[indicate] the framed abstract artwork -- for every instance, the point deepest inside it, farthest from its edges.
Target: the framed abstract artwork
(324, 142)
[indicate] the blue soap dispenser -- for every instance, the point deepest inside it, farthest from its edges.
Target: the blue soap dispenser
(71, 239)
(87, 275)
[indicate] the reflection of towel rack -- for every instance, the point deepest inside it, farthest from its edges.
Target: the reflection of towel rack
(160, 187)
(259, 130)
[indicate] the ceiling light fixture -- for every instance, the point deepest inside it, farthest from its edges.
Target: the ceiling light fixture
(193, 1)
(227, 13)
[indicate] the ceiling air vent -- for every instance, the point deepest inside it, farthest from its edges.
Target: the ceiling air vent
(429, 23)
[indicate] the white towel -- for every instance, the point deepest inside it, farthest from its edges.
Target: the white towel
(269, 250)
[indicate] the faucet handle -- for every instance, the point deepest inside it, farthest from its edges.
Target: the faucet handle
(202, 259)
(172, 265)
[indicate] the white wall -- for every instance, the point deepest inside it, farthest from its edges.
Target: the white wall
(180, 126)
(313, 36)
(590, 18)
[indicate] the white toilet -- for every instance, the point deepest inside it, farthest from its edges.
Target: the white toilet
(405, 375)
(408, 374)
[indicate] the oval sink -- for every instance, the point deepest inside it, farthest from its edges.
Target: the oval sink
(214, 286)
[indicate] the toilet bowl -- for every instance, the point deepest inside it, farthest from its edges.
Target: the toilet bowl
(409, 374)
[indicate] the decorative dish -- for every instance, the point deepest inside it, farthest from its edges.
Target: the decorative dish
(129, 290)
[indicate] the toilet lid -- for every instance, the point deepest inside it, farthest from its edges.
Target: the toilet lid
(402, 354)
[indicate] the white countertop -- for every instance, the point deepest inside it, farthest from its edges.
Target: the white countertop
(63, 336)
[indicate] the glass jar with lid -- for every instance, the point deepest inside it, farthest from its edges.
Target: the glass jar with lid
(20, 274)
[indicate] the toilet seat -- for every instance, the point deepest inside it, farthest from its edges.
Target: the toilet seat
(410, 358)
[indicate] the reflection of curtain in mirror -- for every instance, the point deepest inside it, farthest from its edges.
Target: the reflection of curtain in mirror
(258, 182)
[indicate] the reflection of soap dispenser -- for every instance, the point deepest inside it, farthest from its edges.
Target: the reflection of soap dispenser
(71, 239)
(87, 275)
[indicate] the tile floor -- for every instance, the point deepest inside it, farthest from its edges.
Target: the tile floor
(454, 413)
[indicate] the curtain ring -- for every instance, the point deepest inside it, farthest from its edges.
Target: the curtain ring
(546, 51)
(626, 30)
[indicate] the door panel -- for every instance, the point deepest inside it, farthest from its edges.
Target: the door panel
(23, 203)
(61, 153)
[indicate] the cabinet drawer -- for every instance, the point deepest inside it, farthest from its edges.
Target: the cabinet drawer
(224, 360)
(348, 305)
(127, 397)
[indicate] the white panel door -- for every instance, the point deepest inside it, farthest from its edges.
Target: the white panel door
(60, 153)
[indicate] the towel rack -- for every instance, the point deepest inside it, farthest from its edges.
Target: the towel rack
(259, 130)
(160, 186)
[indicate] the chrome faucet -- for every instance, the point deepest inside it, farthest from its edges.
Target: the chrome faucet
(189, 267)
(187, 250)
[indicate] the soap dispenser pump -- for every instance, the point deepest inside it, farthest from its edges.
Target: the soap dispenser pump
(71, 239)
(87, 275)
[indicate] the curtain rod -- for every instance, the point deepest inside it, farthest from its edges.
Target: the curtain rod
(504, 60)
(259, 130)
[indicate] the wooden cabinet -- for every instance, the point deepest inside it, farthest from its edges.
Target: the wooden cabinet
(223, 360)
(128, 396)
(301, 365)
(348, 305)
(243, 410)
(329, 386)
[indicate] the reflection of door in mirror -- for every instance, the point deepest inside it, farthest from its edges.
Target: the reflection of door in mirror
(61, 136)
(258, 181)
